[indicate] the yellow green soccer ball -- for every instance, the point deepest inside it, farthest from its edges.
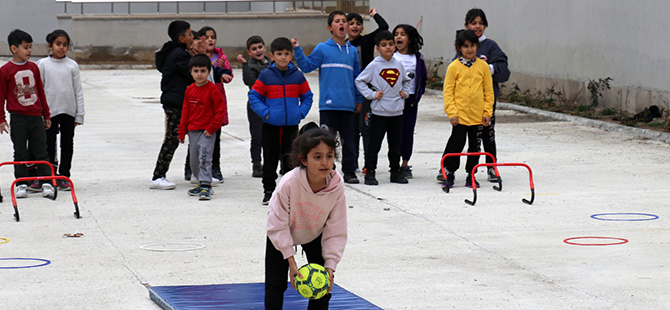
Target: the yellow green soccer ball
(315, 281)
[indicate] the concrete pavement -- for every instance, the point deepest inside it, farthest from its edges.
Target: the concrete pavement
(410, 246)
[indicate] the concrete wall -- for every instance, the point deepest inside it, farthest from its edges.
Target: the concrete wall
(35, 17)
(561, 43)
(136, 38)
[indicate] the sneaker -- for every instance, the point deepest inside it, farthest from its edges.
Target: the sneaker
(205, 193)
(450, 179)
(217, 177)
(266, 198)
(21, 191)
(35, 186)
(195, 191)
(350, 178)
(370, 177)
(64, 185)
(440, 177)
(398, 177)
(468, 181)
(493, 178)
(406, 172)
(257, 170)
(161, 183)
(48, 191)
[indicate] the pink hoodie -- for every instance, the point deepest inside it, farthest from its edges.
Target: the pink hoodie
(297, 215)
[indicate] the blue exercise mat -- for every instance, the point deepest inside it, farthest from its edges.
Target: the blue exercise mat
(243, 296)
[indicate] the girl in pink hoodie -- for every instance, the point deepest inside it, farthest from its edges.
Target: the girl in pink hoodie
(308, 208)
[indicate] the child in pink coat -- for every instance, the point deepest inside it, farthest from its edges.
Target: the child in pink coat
(308, 208)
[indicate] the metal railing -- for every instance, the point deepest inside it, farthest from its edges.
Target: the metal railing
(112, 7)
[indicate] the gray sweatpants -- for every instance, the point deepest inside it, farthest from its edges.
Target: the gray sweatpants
(201, 149)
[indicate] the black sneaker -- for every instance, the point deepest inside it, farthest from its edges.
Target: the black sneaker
(468, 181)
(350, 178)
(370, 178)
(35, 186)
(266, 198)
(440, 177)
(217, 176)
(406, 172)
(195, 191)
(205, 193)
(257, 170)
(493, 178)
(450, 179)
(398, 177)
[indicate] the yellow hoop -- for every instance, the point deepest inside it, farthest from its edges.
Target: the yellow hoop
(5, 240)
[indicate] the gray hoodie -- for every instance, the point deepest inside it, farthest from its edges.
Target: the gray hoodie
(388, 77)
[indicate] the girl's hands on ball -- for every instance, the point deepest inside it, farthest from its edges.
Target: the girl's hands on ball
(293, 271)
(331, 277)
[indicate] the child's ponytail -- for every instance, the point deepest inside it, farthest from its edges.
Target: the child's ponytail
(51, 38)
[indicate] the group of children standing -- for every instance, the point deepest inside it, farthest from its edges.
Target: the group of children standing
(43, 99)
(359, 96)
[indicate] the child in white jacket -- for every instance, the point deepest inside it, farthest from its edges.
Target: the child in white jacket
(62, 87)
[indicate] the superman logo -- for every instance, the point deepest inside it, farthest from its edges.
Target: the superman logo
(390, 75)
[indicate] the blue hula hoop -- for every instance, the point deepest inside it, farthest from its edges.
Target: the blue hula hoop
(642, 217)
(44, 262)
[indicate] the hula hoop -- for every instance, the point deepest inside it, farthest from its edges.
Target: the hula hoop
(45, 262)
(617, 241)
(642, 217)
(5, 240)
(165, 246)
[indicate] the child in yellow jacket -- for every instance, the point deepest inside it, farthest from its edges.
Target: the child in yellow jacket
(468, 102)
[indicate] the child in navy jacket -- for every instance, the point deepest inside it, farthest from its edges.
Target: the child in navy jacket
(282, 98)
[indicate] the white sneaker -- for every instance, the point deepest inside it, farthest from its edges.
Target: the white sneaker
(48, 191)
(161, 183)
(215, 181)
(21, 191)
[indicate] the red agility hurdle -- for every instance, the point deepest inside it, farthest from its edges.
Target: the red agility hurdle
(53, 177)
(445, 188)
(530, 175)
(35, 162)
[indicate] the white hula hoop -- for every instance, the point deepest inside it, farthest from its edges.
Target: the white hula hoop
(176, 246)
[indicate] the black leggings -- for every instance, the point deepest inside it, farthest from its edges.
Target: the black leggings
(276, 269)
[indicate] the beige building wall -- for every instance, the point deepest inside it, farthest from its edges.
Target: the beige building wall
(561, 43)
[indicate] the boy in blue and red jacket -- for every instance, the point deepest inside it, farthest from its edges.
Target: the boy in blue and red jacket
(281, 97)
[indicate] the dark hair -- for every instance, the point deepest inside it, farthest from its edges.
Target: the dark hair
(18, 36)
(177, 28)
(332, 14)
(254, 40)
(196, 35)
(311, 135)
(383, 35)
(415, 39)
(200, 60)
(352, 16)
(465, 35)
(473, 13)
(281, 44)
(55, 34)
(203, 31)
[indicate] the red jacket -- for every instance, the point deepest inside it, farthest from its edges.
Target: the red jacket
(203, 109)
(27, 97)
